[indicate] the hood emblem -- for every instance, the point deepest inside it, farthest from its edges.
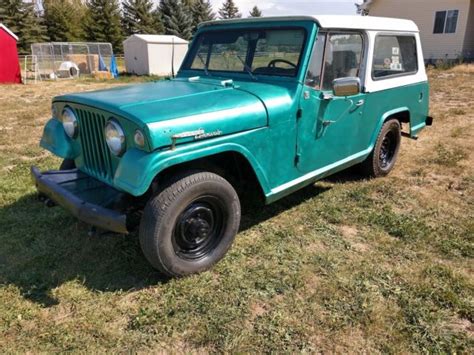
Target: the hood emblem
(197, 134)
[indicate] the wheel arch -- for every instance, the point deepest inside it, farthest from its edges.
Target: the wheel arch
(139, 171)
(402, 114)
(231, 164)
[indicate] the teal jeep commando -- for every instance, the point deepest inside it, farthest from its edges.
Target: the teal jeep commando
(270, 104)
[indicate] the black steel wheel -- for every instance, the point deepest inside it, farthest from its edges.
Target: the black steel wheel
(189, 226)
(199, 227)
(384, 155)
(388, 149)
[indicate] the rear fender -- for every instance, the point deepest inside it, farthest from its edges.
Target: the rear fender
(387, 115)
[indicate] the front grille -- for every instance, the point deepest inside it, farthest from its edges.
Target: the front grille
(95, 152)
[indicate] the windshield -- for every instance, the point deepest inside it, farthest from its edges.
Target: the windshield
(260, 52)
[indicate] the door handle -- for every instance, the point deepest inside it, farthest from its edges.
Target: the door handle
(360, 103)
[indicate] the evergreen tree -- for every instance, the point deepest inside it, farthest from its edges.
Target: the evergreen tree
(229, 10)
(20, 17)
(63, 19)
(103, 23)
(256, 12)
(202, 12)
(176, 18)
(11, 14)
(160, 28)
(138, 17)
(188, 3)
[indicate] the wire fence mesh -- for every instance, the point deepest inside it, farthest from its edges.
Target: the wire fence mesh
(66, 60)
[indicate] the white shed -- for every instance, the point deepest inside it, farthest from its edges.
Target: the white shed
(153, 54)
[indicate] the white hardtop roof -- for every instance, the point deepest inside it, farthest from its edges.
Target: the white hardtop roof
(159, 39)
(337, 22)
(5, 28)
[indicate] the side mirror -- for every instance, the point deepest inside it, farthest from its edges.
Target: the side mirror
(346, 86)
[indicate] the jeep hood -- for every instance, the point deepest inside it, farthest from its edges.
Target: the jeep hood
(167, 108)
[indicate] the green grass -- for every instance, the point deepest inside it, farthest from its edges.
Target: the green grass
(345, 265)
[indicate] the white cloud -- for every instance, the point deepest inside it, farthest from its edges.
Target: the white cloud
(295, 7)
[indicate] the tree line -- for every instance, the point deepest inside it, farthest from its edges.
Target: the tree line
(108, 20)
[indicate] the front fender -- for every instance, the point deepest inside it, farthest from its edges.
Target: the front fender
(137, 169)
(56, 141)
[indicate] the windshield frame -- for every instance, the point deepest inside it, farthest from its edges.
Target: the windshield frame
(196, 43)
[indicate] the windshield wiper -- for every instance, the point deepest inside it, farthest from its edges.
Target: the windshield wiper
(247, 68)
(206, 70)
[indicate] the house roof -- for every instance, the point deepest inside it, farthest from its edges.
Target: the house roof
(335, 21)
(5, 28)
(159, 39)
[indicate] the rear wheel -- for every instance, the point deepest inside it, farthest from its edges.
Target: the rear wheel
(190, 224)
(384, 155)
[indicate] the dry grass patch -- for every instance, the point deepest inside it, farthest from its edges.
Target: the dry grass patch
(345, 265)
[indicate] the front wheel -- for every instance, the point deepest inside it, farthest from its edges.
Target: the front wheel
(384, 155)
(191, 224)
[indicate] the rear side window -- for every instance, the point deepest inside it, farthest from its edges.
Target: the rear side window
(394, 55)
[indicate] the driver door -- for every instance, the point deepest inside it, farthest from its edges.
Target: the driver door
(328, 130)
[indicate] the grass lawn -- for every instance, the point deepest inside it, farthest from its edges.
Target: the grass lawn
(344, 265)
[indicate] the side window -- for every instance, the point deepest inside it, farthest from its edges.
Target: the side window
(343, 57)
(394, 55)
(446, 21)
(313, 77)
(440, 18)
(451, 21)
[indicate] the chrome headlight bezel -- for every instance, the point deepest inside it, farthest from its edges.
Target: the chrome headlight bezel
(115, 137)
(70, 122)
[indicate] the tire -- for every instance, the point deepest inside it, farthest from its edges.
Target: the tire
(385, 153)
(190, 224)
(67, 164)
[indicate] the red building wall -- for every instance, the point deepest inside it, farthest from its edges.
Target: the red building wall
(9, 64)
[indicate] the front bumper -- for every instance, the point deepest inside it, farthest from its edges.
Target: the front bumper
(88, 199)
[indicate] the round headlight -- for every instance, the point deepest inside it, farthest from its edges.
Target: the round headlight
(69, 121)
(139, 138)
(115, 137)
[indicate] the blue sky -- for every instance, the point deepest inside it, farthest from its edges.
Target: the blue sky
(294, 7)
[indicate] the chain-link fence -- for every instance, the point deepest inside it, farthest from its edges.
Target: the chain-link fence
(61, 60)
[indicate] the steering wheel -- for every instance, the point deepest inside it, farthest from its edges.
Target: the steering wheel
(274, 61)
